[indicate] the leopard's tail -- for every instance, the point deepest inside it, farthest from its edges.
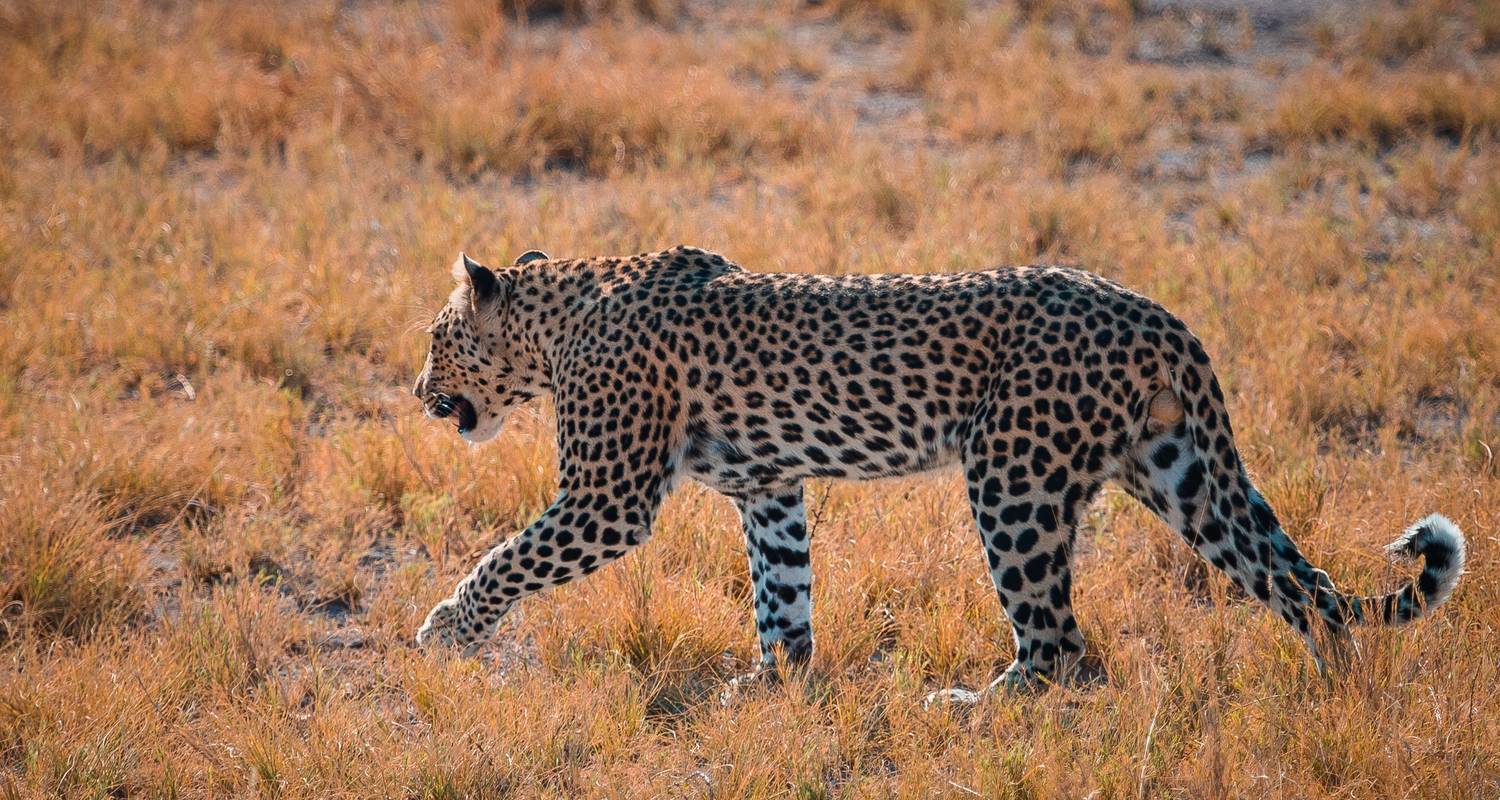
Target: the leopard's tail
(1186, 468)
(1440, 544)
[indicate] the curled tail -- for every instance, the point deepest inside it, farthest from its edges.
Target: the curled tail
(1185, 467)
(1439, 543)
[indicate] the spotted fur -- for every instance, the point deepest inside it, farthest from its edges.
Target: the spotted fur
(1042, 382)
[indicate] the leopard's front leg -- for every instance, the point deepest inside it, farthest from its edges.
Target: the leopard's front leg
(776, 539)
(581, 532)
(617, 455)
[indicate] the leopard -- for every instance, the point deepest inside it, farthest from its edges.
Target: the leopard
(1040, 383)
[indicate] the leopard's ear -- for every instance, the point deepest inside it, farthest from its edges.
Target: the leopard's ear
(482, 282)
(530, 256)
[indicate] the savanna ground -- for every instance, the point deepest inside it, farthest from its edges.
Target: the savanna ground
(222, 517)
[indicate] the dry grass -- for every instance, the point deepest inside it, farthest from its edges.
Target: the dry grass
(221, 517)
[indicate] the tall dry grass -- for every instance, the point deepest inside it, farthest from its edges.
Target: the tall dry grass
(221, 518)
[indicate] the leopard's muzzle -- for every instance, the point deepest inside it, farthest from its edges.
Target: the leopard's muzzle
(443, 406)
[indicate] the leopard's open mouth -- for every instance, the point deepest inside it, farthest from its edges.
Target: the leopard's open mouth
(457, 406)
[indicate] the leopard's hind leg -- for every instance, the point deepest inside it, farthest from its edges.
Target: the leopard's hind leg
(1027, 492)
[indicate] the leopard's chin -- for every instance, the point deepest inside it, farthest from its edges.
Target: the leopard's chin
(465, 414)
(483, 430)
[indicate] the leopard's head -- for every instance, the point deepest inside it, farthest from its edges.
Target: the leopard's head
(480, 364)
